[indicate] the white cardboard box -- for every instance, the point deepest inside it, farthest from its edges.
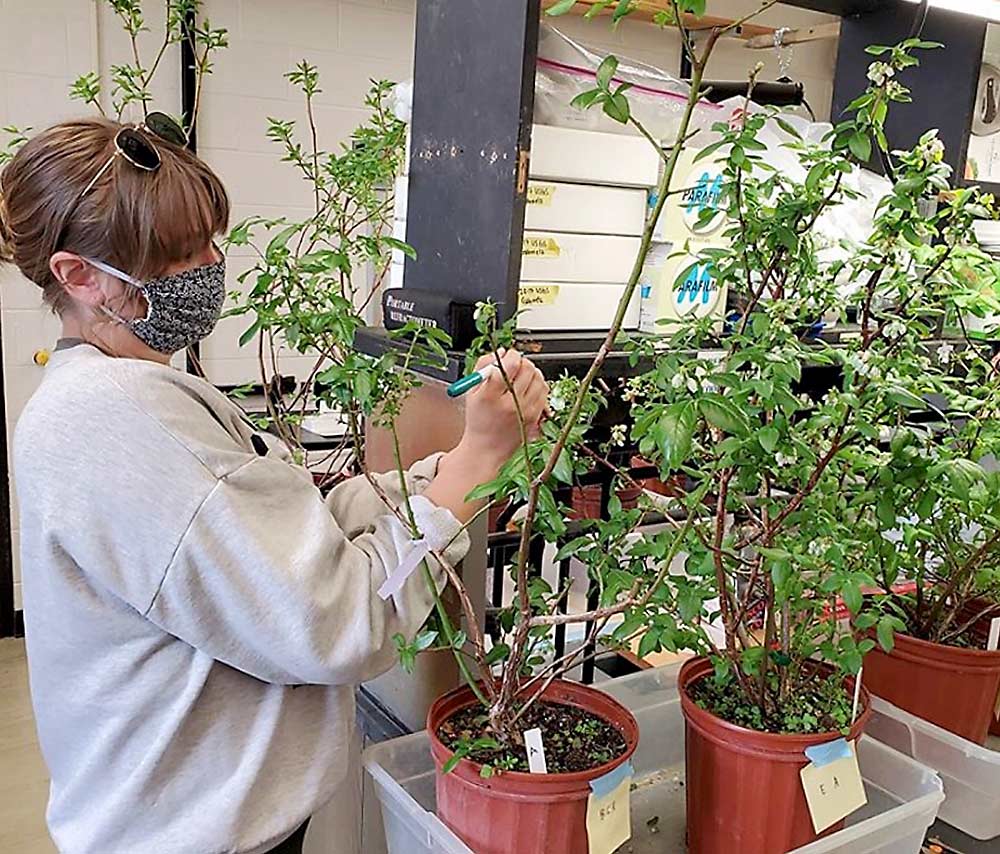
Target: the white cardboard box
(589, 157)
(558, 257)
(584, 209)
(549, 306)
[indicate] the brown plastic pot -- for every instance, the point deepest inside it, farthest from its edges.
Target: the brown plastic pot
(952, 687)
(744, 790)
(516, 812)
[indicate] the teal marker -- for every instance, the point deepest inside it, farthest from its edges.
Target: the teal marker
(469, 382)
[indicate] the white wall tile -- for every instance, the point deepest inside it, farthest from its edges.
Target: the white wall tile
(372, 31)
(345, 77)
(302, 23)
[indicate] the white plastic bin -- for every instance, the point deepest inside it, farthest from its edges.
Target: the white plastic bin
(970, 773)
(903, 796)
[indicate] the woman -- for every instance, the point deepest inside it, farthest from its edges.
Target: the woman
(197, 616)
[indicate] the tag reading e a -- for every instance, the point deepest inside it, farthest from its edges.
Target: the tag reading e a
(834, 789)
(609, 823)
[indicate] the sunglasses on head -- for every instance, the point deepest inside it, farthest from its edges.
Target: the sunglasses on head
(133, 144)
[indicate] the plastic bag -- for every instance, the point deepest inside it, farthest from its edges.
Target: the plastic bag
(567, 68)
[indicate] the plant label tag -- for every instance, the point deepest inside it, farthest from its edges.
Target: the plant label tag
(994, 640)
(609, 823)
(832, 783)
(536, 752)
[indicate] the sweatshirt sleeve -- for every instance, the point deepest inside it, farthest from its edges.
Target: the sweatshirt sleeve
(272, 581)
(355, 502)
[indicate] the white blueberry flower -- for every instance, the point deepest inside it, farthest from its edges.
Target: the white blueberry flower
(556, 402)
(700, 371)
(894, 89)
(693, 385)
(945, 352)
(784, 459)
(677, 380)
(880, 72)
(618, 435)
(895, 328)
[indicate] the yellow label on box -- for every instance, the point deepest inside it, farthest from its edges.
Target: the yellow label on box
(541, 194)
(609, 825)
(541, 247)
(529, 295)
(834, 790)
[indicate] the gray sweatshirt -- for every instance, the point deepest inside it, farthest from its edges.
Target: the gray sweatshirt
(196, 615)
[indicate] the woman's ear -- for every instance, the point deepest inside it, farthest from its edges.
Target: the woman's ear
(82, 282)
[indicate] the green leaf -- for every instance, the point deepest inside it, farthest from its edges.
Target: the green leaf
(674, 433)
(280, 240)
(452, 763)
(903, 397)
(689, 603)
(248, 334)
(695, 7)
(650, 643)
(560, 8)
(861, 146)
(617, 107)
(723, 414)
(563, 471)
(885, 509)
(851, 594)
(886, 633)
(606, 70)
(621, 10)
(768, 438)
(405, 248)
(925, 507)
(780, 573)
(585, 100)
(499, 653)
(425, 640)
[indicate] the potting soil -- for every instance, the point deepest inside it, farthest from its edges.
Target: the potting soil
(574, 739)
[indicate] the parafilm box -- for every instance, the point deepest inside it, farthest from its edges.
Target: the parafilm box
(548, 306)
(584, 209)
(549, 256)
(590, 157)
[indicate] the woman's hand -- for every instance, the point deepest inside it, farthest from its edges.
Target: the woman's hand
(493, 429)
(492, 422)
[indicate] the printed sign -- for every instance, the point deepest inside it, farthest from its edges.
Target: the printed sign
(832, 783)
(540, 247)
(541, 194)
(529, 295)
(609, 823)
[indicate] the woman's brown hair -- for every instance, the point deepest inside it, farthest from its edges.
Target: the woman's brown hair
(140, 222)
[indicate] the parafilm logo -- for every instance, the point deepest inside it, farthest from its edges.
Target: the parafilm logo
(698, 292)
(703, 194)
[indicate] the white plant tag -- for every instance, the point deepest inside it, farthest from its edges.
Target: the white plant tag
(609, 822)
(832, 783)
(536, 751)
(994, 642)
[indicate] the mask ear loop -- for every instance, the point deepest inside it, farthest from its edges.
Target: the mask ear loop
(129, 280)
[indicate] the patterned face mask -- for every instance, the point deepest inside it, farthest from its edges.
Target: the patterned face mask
(183, 308)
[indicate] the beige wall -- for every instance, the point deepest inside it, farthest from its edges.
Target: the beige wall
(44, 44)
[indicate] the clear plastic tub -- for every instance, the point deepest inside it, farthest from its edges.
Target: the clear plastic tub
(903, 796)
(970, 773)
